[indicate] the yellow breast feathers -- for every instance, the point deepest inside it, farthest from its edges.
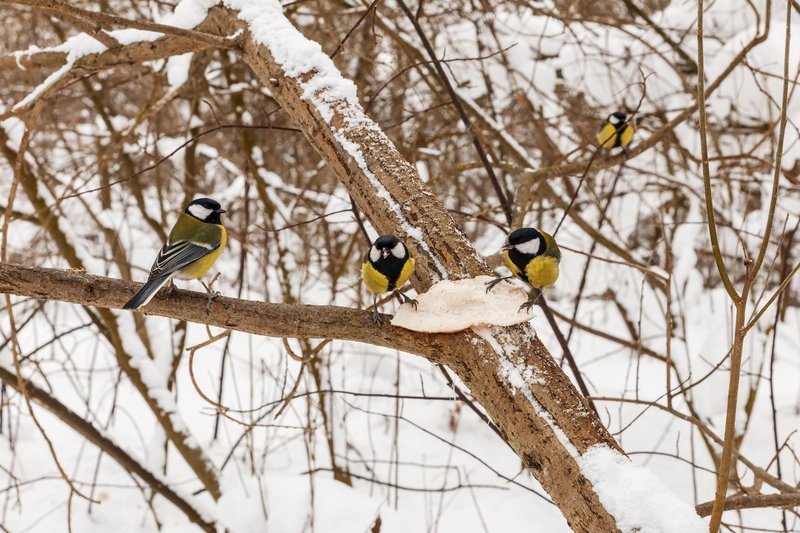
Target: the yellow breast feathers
(408, 269)
(376, 282)
(199, 268)
(542, 271)
(609, 138)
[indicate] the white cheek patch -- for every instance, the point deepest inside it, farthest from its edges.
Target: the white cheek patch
(530, 247)
(399, 251)
(374, 254)
(199, 211)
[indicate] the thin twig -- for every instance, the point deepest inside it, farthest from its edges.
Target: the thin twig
(599, 148)
(562, 341)
(701, 106)
(356, 25)
(461, 113)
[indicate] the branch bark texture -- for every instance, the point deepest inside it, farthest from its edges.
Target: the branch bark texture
(466, 353)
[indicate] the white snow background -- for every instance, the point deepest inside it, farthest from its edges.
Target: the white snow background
(266, 484)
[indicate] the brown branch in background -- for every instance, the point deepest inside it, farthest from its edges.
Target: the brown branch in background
(93, 435)
(102, 20)
(778, 169)
(498, 189)
(636, 11)
(709, 199)
(138, 52)
(540, 299)
(752, 501)
(752, 270)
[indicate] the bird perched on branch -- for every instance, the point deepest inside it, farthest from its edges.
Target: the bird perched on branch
(615, 131)
(532, 256)
(194, 244)
(387, 267)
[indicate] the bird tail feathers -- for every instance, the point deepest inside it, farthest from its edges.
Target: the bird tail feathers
(146, 293)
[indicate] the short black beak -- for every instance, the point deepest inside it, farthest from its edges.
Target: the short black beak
(385, 252)
(507, 247)
(220, 211)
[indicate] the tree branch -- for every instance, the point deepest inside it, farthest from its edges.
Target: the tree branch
(752, 501)
(101, 20)
(546, 421)
(259, 318)
(93, 435)
(137, 52)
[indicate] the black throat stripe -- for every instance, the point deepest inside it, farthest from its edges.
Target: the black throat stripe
(521, 261)
(390, 267)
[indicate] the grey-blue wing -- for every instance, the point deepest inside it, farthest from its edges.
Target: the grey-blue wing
(174, 256)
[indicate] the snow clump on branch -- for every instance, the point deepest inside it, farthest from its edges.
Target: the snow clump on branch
(450, 306)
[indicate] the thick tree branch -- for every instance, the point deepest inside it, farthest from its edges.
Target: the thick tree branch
(546, 421)
(259, 318)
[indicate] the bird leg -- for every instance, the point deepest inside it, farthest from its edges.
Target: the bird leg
(376, 316)
(530, 303)
(171, 288)
(406, 299)
(211, 295)
(492, 284)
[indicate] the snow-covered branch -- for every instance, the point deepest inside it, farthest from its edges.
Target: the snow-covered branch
(510, 372)
(83, 53)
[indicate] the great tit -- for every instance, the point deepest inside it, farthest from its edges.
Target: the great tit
(615, 132)
(194, 244)
(532, 256)
(387, 267)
